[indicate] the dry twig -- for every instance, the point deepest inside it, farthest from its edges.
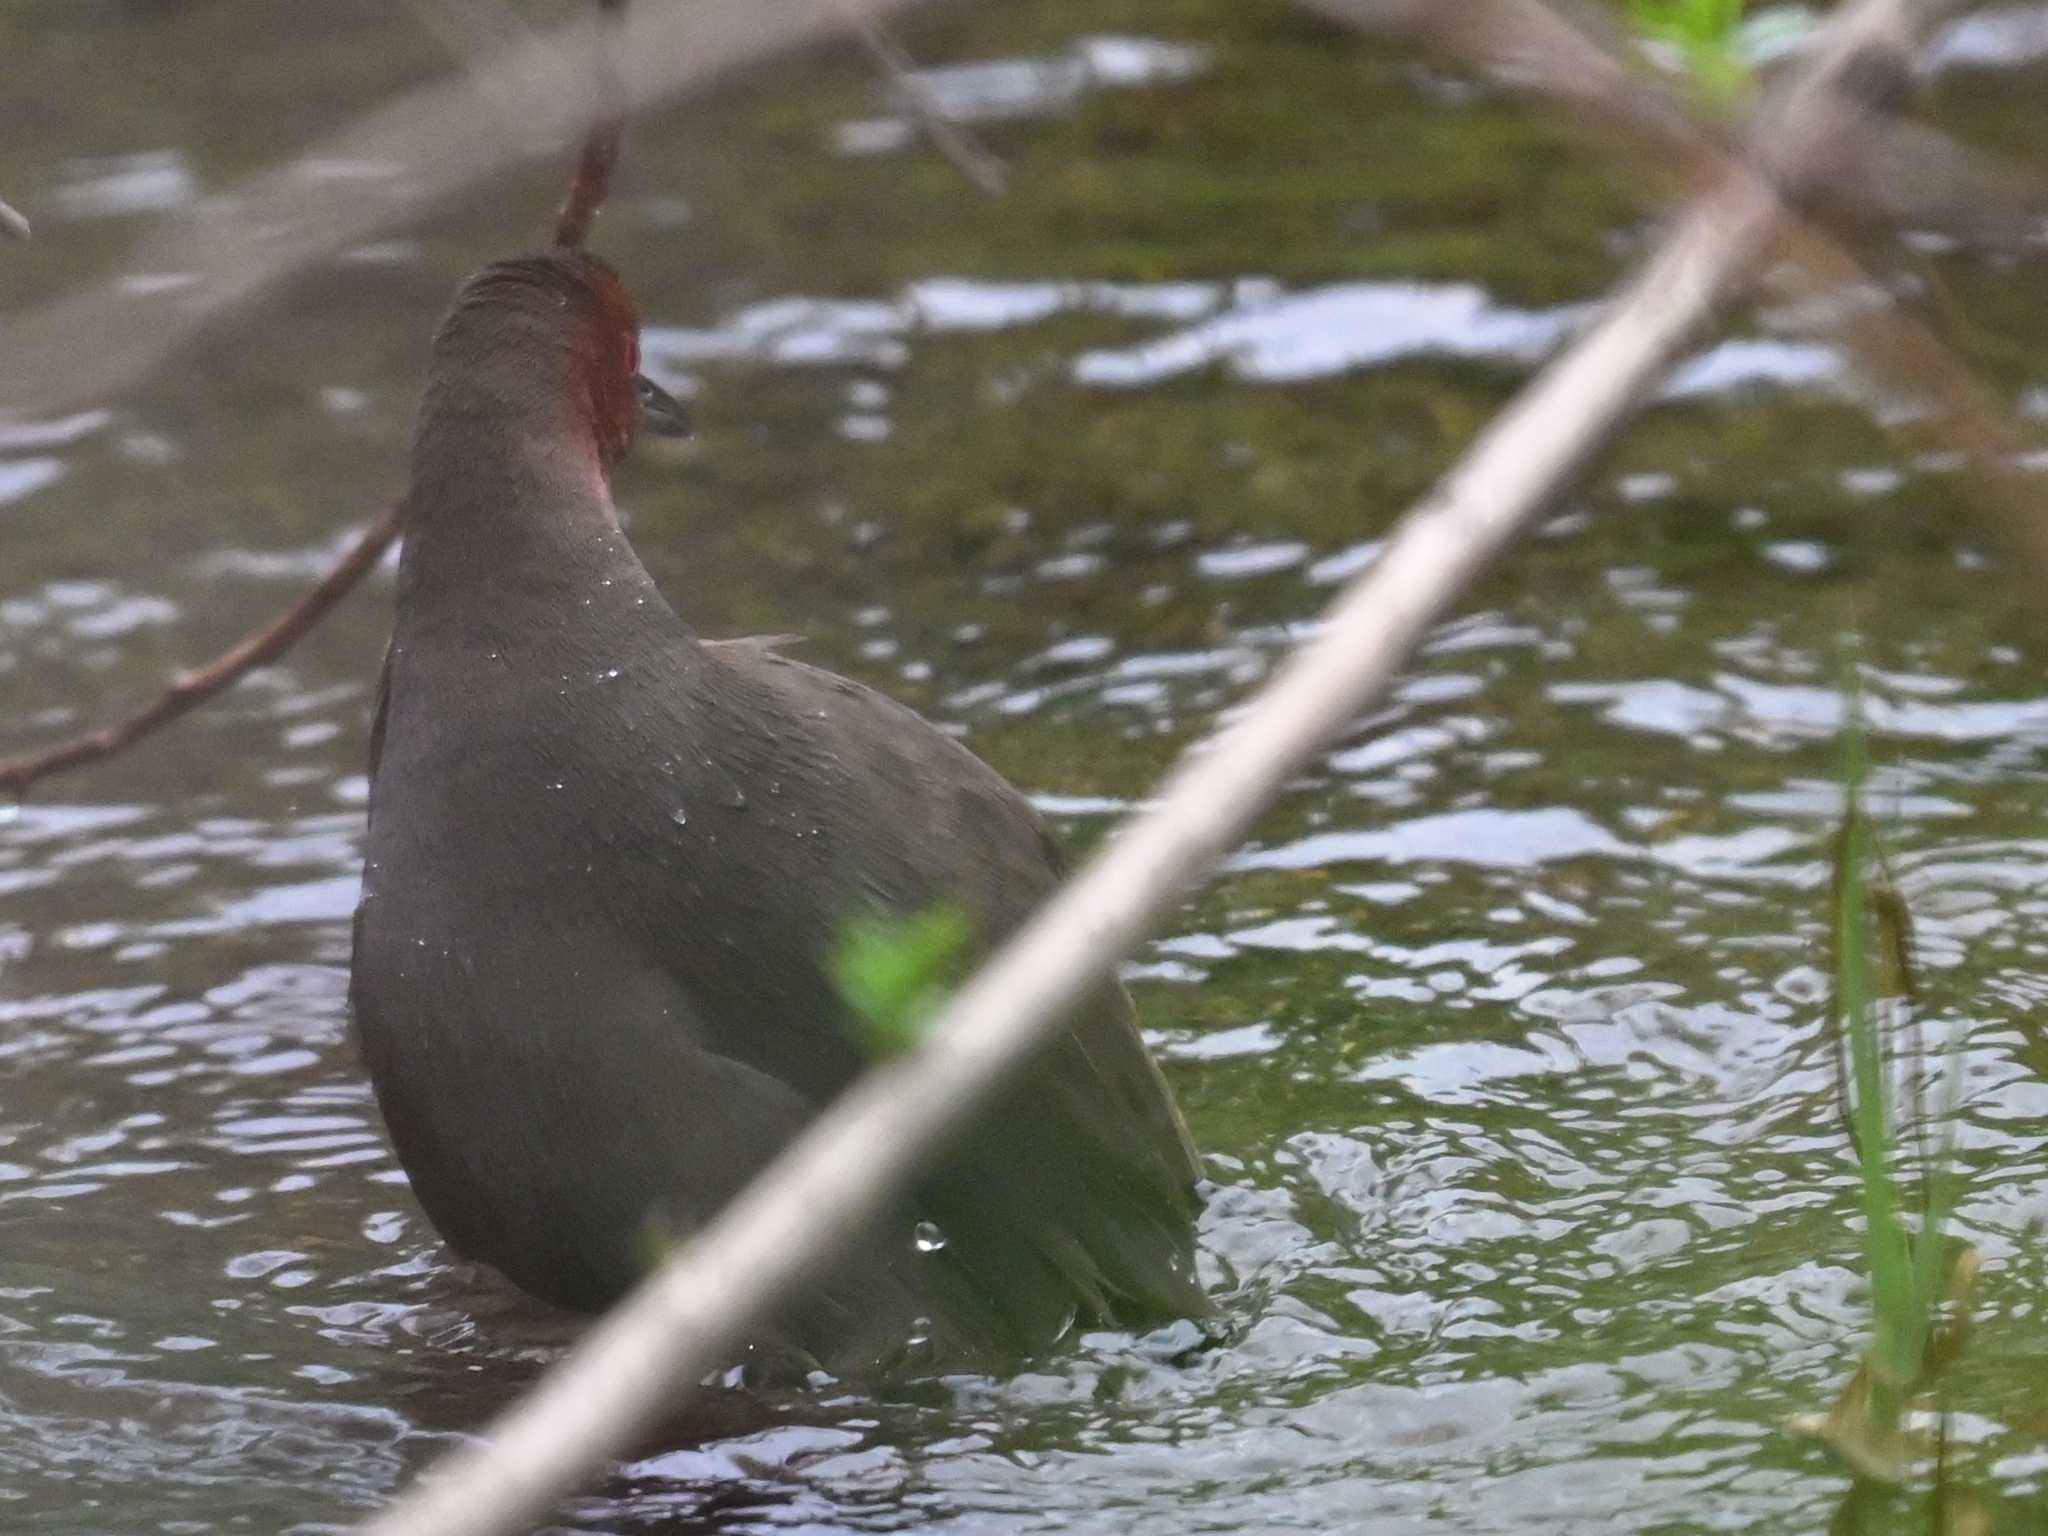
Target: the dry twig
(435, 141)
(972, 158)
(853, 1158)
(588, 186)
(490, 41)
(592, 183)
(1531, 47)
(1911, 174)
(202, 683)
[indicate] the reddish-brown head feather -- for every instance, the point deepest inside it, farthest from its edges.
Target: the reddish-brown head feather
(565, 322)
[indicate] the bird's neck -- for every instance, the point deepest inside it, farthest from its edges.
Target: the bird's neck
(508, 518)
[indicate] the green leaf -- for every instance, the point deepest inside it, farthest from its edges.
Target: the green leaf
(894, 973)
(1914, 1278)
(1706, 37)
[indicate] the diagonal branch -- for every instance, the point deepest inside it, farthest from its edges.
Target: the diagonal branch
(202, 683)
(1532, 48)
(588, 186)
(592, 183)
(1911, 172)
(435, 141)
(973, 159)
(855, 1156)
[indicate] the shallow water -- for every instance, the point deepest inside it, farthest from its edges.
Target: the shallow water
(1503, 1036)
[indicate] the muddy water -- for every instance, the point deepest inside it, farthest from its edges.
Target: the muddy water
(1503, 1036)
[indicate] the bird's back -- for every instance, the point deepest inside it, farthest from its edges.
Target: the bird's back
(705, 825)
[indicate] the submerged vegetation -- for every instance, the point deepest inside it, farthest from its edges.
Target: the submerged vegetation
(1920, 1278)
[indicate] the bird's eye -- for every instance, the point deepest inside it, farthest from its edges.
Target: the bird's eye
(660, 412)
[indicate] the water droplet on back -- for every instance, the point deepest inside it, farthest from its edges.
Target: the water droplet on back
(927, 1238)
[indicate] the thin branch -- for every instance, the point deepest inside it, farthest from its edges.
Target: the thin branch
(1912, 174)
(592, 183)
(476, 32)
(1531, 48)
(1903, 355)
(588, 186)
(867, 1144)
(202, 683)
(12, 224)
(973, 159)
(435, 142)
(491, 42)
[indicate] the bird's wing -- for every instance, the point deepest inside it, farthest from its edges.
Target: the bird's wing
(749, 645)
(1085, 1167)
(379, 711)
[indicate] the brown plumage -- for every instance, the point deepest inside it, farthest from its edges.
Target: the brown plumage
(609, 862)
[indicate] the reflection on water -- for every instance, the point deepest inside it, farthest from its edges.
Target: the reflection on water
(1994, 36)
(157, 181)
(24, 477)
(1503, 1035)
(874, 333)
(1276, 337)
(1254, 326)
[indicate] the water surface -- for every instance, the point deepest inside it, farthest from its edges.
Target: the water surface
(1503, 1036)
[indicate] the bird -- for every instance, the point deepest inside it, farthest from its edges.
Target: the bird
(609, 864)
